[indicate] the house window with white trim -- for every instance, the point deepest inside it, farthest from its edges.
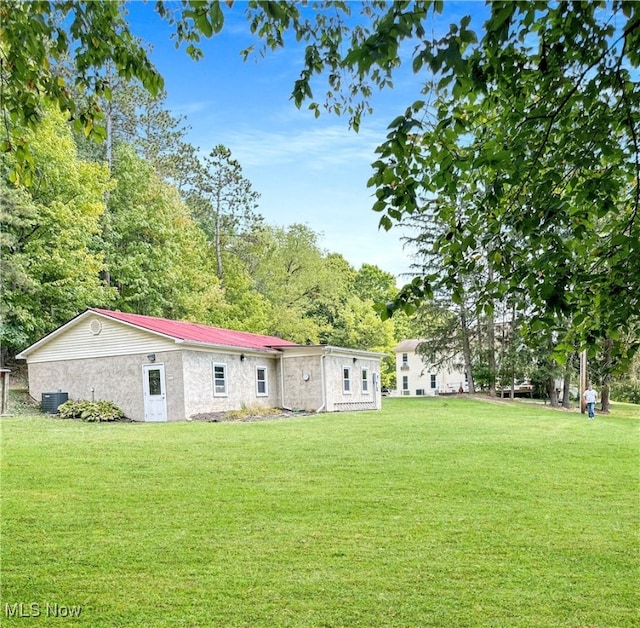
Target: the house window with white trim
(346, 380)
(262, 387)
(220, 380)
(405, 361)
(433, 381)
(365, 381)
(405, 384)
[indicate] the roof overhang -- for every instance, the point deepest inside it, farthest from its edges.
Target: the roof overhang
(311, 350)
(276, 350)
(205, 346)
(23, 355)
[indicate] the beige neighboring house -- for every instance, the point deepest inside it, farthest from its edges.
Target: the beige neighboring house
(157, 369)
(415, 378)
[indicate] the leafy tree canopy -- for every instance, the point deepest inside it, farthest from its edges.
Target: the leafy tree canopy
(528, 126)
(49, 265)
(530, 146)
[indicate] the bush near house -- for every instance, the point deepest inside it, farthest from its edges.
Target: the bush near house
(92, 411)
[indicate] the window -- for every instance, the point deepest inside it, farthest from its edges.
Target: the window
(346, 380)
(405, 382)
(405, 361)
(433, 381)
(365, 380)
(155, 385)
(262, 390)
(219, 380)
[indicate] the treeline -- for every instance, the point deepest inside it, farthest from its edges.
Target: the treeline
(127, 225)
(518, 171)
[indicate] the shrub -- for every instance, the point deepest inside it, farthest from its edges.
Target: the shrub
(246, 412)
(93, 411)
(628, 391)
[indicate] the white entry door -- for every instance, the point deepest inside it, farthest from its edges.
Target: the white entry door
(155, 396)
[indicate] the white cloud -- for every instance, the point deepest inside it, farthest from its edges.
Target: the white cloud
(317, 146)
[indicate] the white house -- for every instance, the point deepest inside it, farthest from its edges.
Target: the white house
(157, 369)
(414, 377)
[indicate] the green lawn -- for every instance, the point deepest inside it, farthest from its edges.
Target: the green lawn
(433, 512)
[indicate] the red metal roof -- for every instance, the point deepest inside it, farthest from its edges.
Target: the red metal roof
(195, 332)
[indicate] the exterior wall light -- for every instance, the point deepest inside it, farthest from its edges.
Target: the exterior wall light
(151, 357)
(243, 357)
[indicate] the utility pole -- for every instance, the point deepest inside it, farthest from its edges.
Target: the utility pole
(583, 379)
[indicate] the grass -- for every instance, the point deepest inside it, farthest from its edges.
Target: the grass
(431, 512)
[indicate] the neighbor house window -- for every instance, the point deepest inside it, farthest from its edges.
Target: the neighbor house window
(262, 388)
(219, 380)
(405, 384)
(433, 381)
(405, 361)
(346, 379)
(365, 380)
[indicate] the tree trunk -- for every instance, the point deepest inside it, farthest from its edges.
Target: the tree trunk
(553, 393)
(466, 349)
(491, 353)
(512, 351)
(606, 380)
(219, 237)
(491, 342)
(566, 384)
(106, 274)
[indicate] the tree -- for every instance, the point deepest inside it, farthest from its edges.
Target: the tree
(222, 200)
(374, 284)
(549, 130)
(33, 33)
(449, 321)
(544, 105)
(288, 269)
(346, 306)
(156, 254)
(448, 333)
(135, 117)
(50, 265)
(19, 220)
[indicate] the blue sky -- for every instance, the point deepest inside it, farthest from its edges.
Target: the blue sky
(307, 170)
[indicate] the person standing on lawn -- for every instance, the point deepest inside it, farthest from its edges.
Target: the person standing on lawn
(590, 397)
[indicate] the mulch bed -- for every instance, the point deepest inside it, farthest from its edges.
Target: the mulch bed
(222, 417)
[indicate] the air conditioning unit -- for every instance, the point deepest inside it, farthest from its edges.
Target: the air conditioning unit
(51, 401)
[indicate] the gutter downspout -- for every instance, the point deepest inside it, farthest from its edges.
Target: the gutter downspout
(323, 383)
(282, 384)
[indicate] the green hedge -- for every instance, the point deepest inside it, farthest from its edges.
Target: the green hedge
(90, 410)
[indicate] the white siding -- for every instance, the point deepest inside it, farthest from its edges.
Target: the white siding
(418, 374)
(115, 339)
